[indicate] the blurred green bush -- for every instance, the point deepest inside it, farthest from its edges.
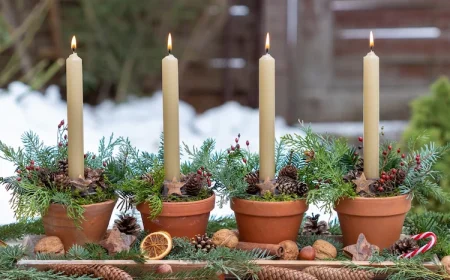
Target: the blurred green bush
(431, 113)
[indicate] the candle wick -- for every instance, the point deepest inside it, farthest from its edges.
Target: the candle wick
(170, 51)
(371, 48)
(267, 50)
(74, 50)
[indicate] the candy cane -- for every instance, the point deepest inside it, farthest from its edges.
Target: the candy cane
(423, 249)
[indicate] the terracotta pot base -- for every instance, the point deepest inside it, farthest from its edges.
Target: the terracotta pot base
(93, 227)
(268, 222)
(180, 219)
(380, 219)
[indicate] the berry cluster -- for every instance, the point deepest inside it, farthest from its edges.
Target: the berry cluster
(28, 171)
(203, 174)
(62, 135)
(237, 147)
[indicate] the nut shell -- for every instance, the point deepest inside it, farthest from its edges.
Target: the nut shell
(225, 238)
(446, 263)
(164, 269)
(324, 250)
(290, 250)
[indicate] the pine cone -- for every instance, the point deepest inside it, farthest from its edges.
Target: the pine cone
(289, 171)
(252, 179)
(360, 165)
(193, 184)
(63, 166)
(148, 178)
(404, 246)
(312, 226)
(287, 185)
(203, 242)
(400, 177)
(382, 189)
(106, 272)
(329, 273)
(128, 224)
(351, 175)
(281, 273)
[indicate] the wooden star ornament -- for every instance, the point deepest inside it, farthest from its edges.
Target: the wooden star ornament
(266, 186)
(362, 184)
(173, 187)
(362, 250)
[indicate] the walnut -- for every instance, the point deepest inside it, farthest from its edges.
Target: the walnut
(324, 250)
(225, 238)
(446, 263)
(290, 250)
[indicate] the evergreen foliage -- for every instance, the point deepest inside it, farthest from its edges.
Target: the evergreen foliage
(34, 189)
(332, 159)
(16, 231)
(430, 113)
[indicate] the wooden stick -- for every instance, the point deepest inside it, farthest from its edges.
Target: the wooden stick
(272, 249)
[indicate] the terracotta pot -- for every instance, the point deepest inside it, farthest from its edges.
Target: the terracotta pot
(380, 219)
(268, 222)
(93, 227)
(180, 219)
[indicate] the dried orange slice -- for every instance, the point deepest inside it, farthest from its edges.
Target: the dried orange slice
(156, 245)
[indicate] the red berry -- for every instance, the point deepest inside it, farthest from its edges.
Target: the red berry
(398, 151)
(19, 179)
(60, 144)
(202, 168)
(209, 182)
(380, 189)
(232, 148)
(390, 147)
(403, 155)
(383, 176)
(65, 136)
(37, 168)
(62, 122)
(394, 170)
(417, 157)
(381, 181)
(355, 153)
(360, 139)
(104, 164)
(19, 171)
(238, 146)
(59, 125)
(402, 163)
(244, 160)
(199, 172)
(85, 155)
(209, 174)
(31, 162)
(67, 144)
(28, 168)
(247, 143)
(384, 153)
(236, 140)
(392, 177)
(383, 173)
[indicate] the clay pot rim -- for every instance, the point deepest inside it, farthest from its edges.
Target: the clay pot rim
(268, 209)
(106, 202)
(269, 202)
(376, 198)
(182, 208)
(213, 196)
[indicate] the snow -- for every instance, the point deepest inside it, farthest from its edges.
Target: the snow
(139, 119)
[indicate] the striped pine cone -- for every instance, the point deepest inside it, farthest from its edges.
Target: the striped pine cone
(106, 272)
(329, 273)
(289, 171)
(281, 273)
(252, 180)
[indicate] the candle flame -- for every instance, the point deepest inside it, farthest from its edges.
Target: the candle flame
(267, 42)
(169, 43)
(371, 40)
(74, 44)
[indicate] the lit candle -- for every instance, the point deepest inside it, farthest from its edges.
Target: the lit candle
(74, 73)
(267, 114)
(371, 113)
(171, 115)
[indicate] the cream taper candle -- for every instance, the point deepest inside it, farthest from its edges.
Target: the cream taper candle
(371, 113)
(171, 115)
(74, 73)
(267, 114)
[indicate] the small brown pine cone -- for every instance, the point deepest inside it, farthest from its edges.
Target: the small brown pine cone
(281, 273)
(127, 224)
(148, 178)
(289, 171)
(252, 180)
(329, 273)
(193, 184)
(404, 246)
(400, 176)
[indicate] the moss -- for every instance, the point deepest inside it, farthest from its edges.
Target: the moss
(269, 197)
(204, 194)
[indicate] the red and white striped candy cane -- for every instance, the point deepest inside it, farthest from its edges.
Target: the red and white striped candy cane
(423, 249)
